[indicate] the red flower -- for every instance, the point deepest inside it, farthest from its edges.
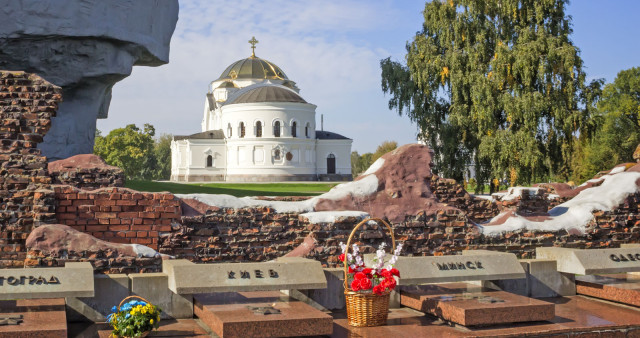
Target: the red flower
(360, 275)
(355, 285)
(365, 284)
(395, 272)
(341, 257)
(385, 273)
(351, 270)
(378, 289)
(367, 271)
(389, 283)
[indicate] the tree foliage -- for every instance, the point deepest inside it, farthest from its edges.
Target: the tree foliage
(616, 127)
(135, 151)
(360, 163)
(493, 83)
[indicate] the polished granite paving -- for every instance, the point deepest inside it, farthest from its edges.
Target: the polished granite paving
(621, 288)
(579, 315)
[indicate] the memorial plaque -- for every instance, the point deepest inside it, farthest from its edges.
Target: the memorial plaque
(74, 280)
(471, 305)
(260, 314)
(621, 288)
(283, 274)
(592, 261)
(471, 266)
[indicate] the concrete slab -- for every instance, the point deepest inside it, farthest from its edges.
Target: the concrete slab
(592, 261)
(75, 279)
(457, 268)
(470, 305)
(283, 274)
(154, 288)
(109, 290)
(231, 315)
(621, 288)
(41, 318)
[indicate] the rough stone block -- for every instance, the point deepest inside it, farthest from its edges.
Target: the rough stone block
(545, 280)
(154, 287)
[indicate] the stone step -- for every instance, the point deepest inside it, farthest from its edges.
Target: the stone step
(621, 288)
(40, 318)
(472, 305)
(168, 328)
(260, 314)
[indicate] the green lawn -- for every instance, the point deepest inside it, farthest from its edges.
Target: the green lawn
(235, 189)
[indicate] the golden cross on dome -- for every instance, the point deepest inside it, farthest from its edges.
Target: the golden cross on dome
(253, 42)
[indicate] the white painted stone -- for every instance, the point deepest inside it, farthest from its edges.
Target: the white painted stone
(592, 261)
(74, 280)
(283, 274)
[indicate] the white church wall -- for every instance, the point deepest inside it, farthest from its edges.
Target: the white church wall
(341, 149)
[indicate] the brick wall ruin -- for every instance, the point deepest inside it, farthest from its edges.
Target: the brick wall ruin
(27, 103)
(91, 200)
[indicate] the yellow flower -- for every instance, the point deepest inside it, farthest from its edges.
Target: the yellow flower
(151, 321)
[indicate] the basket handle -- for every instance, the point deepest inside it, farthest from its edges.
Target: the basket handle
(129, 297)
(346, 263)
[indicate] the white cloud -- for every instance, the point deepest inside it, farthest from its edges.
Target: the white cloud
(329, 48)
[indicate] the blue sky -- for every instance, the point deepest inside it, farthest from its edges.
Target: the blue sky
(332, 49)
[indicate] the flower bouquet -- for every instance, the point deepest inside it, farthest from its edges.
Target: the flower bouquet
(367, 289)
(134, 318)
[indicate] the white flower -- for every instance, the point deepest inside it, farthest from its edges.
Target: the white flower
(343, 247)
(356, 249)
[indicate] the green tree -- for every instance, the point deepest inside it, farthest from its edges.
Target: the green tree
(130, 149)
(360, 163)
(162, 152)
(616, 127)
(495, 83)
(384, 148)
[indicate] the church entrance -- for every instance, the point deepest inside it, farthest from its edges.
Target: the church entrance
(331, 164)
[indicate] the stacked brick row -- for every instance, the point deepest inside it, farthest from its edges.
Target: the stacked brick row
(235, 235)
(449, 192)
(27, 103)
(89, 178)
(118, 215)
(102, 261)
(530, 202)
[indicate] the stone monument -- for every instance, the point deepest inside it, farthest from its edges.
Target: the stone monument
(85, 47)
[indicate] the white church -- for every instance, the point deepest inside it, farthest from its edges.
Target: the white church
(257, 128)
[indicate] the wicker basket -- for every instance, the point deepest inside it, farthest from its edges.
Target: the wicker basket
(144, 334)
(366, 309)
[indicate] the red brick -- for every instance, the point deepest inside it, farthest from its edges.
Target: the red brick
(93, 228)
(130, 234)
(119, 227)
(114, 221)
(141, 234)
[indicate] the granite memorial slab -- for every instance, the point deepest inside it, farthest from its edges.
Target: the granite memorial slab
(621, 288)
(282, 274)
(260, 314)
(39, 318)
(74, 280)
(485, 265)
(592, 261)
(472, 305)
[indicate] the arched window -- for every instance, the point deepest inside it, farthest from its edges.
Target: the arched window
(276, 154)
(258, 129)
(229, 130)
(331, 164)
(276, 129)
(306, 130)
(241, 129)
(209, 161)
(294, 129)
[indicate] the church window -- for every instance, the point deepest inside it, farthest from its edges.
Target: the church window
(258, 129)
(229, 130)
(306, 131)
(276, 154)
(209, 161)
(294, 129)
(276, 129)
(241, 129)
